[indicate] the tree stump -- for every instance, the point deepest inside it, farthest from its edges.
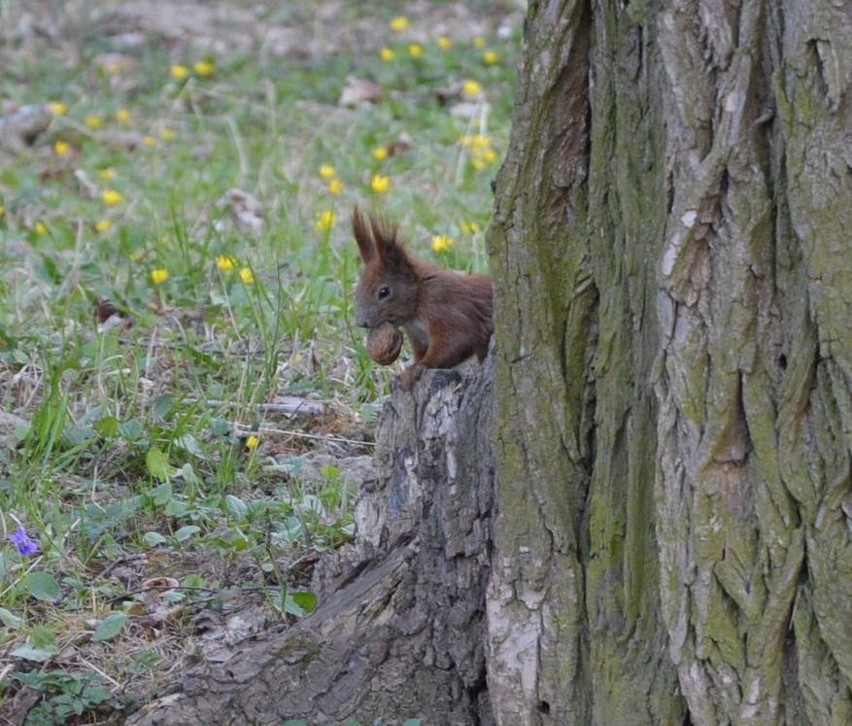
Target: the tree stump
(400, 630)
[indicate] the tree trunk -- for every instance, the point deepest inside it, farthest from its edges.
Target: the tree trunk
(401, 629)
(673, 406)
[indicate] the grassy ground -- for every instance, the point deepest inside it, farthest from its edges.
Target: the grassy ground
(176, 275)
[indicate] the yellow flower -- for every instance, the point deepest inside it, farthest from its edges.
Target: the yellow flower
(471, 89)
(62, 148)
(491, 57)
(180, 72)
(107, 174)
(415, 50)
(444, 43)
(122, 115)
(103, 225)
(40, 229)
(442, 243)
(225, 263)
(387, 54)
(246, 275)
(325, 220)
(252, 442)
(469, 227)
(111, 197)
(159, 275)
(149, 141)
(380, 154)
(112, 68)
(481, 152)
(93, 122)
(58, 109)
(168, 134)
(479, 42)
(335, 187)
(399, 24)
(204, 68)
(477, 141)
(380, 184)
(327, 171)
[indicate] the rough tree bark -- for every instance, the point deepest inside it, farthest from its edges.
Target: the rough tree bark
(673, 379)
(400, 632)
(669, 539)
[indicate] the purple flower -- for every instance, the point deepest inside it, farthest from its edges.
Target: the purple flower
(22, 541)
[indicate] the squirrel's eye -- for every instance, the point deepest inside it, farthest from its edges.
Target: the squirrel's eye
(384, 292)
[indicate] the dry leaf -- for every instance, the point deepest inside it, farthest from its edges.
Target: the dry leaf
(400, 146)
(88, 189)
(469, 109)
(294, 405)
(129, 140)
(358, 91)
(23, 126)
(114, 62)
(245, 210)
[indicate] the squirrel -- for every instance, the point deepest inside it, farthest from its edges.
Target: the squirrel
(447, 315)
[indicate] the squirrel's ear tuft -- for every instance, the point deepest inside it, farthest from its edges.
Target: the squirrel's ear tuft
(363, 232)
(390, 249)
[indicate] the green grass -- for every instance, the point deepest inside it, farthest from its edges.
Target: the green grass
(130, 443)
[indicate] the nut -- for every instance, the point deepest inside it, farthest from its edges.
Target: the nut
(384, 343)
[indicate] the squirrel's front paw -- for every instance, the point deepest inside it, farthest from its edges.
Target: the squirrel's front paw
(409, 376)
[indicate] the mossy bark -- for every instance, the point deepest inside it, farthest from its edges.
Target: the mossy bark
(673, 398)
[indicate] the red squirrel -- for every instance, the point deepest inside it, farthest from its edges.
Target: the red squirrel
(446, 314)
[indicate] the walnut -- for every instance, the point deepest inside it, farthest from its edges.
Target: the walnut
(384, 343)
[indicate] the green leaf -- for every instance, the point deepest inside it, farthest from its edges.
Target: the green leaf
(313, 504)
(176, 508)
(10, 620)
(162, 406)
(220, 427)
(187, 473)
(110, 626)
(132, 430)
(298, 604)
(234, 539)
(152, 539)
(39, 655)
(107, 427)
(158, 465)
(184, 533)
(305, 600)
(162, 494)
(291, 607)
(97, 695)
(42, 586)
(40, 647)
(189, 443)
(236, 506)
